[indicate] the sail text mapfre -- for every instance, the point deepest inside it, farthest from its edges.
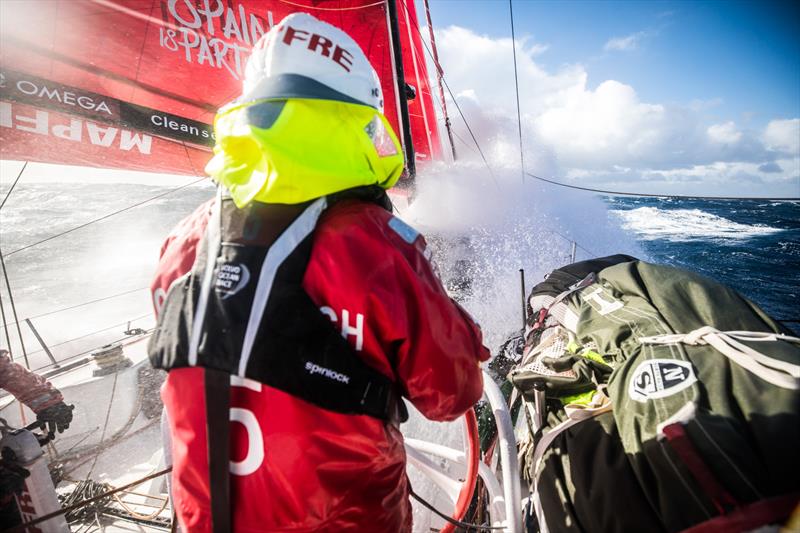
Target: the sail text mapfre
(104, 79)
(40, 122)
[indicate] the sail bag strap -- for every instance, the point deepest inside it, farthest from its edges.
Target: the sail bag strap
(779, 373)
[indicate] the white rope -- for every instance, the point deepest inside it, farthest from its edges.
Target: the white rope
(780, 373)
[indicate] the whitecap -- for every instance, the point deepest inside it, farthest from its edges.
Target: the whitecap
(680, 225)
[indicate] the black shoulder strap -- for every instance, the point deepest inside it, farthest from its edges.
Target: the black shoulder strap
(217, 386)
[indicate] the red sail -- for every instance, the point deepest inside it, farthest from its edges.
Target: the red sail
(134, 84)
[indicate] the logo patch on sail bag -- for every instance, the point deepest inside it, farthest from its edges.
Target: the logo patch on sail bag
(231, 278)
(659, 378)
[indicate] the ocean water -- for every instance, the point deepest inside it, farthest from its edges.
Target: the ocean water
(751, 246)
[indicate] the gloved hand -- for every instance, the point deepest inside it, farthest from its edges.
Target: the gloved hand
(12, 476)
(56, 417)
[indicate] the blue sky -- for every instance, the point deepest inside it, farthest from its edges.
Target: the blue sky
(723, 78)
(746, 54)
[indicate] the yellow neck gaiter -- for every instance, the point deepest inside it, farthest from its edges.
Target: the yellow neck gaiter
(295, 150)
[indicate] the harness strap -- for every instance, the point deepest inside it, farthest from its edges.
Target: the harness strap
(217, 397)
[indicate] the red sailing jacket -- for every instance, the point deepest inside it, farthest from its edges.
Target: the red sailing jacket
(297, 467)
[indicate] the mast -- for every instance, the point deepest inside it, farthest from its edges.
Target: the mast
(408, 145)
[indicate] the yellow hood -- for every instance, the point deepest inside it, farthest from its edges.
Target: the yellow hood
(295, 150)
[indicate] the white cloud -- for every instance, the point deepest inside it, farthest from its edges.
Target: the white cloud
(724, 133)
(606, 133)
(630, 42)
(783, 135)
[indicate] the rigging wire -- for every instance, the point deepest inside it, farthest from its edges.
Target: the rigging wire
(75, 356)
(650, 195)
(109, 215)
(13, 184)
(48, 313)
(471, 134)
(14, 312)
(516, 87)
(465, 143)
(458, 107)
(439, 74)
(5, 324)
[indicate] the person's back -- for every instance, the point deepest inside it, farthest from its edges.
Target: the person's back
(300, 467)
(296, 463)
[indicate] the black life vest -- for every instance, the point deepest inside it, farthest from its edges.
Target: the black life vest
(242, 310)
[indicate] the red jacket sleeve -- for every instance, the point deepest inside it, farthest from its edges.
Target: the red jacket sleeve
(365, 258)
(28, 387)
(438, 358)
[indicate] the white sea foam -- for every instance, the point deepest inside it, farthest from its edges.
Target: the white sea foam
(680, 225)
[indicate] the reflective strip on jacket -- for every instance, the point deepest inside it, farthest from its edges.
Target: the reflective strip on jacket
(297, 467)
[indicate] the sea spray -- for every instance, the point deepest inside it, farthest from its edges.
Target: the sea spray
(482, 228)
(500, 224)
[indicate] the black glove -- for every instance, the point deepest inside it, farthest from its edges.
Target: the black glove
(56, 417)
(12, 476)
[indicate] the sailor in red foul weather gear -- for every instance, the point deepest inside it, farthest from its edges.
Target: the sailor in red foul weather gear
(264, 292)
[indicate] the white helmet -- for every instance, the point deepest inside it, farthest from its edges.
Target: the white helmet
(304, 57)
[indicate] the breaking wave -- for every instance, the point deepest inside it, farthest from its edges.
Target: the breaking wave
(681, 225)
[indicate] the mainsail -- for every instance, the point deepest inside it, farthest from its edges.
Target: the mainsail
(134, 84)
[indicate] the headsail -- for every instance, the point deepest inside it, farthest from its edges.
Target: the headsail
(134, 84)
